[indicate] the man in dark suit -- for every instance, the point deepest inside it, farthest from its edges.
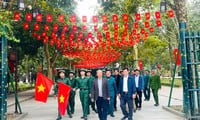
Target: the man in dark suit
(126, 93)
(100, 94)
(117, 79)
(139, 83)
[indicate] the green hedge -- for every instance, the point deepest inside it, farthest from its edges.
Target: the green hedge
(21, 86)
(168, 81)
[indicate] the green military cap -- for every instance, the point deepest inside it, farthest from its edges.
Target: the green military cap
(108, 69)
(63, 71)
(71, 71)
(89, 70)
(83, 69)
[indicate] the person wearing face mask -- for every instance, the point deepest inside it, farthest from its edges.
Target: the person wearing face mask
(113, 91)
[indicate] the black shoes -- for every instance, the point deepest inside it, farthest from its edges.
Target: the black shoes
(112, 115)
(124, 118)
(156, 105)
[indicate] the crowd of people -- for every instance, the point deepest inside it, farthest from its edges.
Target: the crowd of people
(104, 88)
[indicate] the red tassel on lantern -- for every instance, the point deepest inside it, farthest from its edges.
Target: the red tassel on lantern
(125, 17)
(137, 16)
(49, 17)
(84, 19)
(26, 26)
(158, 23)
(36, 27)
(28, 17)
(61, 18)
(16, 16)
(147, 15)
(95, 19)
(104, 18)
(39, 17)
(157, 15)
(55, 27)
(114, 18)
(171, 13)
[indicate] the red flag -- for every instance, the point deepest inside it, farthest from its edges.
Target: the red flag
(63, 96)
(42, 88)
(177, 54)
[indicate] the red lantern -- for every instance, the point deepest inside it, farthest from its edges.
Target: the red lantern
(84, 18)
(73, 18)
(125, 26)
(140, 64)
(146, 34)
(34, 34)
(46, 27)
(136, 25)
(49, 17)
(134, 31)
(95, 19)
(116, 27)
(146, 24)
(142, 31)
(44, 34)
(157, 15)
(90, 34)
(80, 35)
(26, 26)
(138, 36)
(147, 15)
(171, 13)
(115, 34)
(104, 18)
(74, 28)
(28, 17)
(39, 17)
(105, 27)
(16, 16)
(84, 27)
(137, 16)
(159, 66)
(114, 18)
(61, 18)
(38, 37)
(177, 57)
(95, 28)
(65, 28)
(55, 27)
(54, 71)
(158, 23)
(125, 17)
(108, 35)
(36, 27)
(151, 30)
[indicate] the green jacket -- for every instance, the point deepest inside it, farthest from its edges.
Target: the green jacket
(112, 86)
(83, 83)
(91, 79)
(73, 82)
(64, 80)
(154, 82)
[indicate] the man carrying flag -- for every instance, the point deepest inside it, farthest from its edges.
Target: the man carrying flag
(42, 88)
(62, 95)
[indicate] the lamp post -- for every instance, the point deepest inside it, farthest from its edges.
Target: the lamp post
(5, 4)
(163, 6)
(21, 4)
(35, 12)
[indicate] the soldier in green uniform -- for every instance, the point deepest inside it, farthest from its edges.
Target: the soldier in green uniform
(155, 84)
(91, 79)
(71, 103)
(112, 90)
(64, 80)
(83, 84)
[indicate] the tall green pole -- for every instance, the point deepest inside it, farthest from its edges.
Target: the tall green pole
(182, 29)
(3, 76)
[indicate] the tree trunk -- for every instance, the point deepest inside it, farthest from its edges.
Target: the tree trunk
(48, 59)
(136, 56)
(181, 10)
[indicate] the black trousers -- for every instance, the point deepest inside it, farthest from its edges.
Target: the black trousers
(115, 102)
(138, 99)
(125, 99)
(147, 93)
(102, 108)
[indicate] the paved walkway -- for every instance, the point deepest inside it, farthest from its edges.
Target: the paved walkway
(48, 111)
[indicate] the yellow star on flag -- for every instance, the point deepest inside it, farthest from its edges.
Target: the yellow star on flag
(62, 98)
(41, 88)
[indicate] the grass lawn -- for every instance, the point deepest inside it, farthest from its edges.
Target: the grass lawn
(168, 81)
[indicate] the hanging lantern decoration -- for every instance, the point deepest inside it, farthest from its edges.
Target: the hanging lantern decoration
(108, 35)
(159, 66)
(34, 34)
(104, 18)
(158, 23)
(28, 17)
(171, 13)
(44, 34)
(115, 27)
(177, 57)
(49, 18)
(46, 27)
(80, 35)
(36, 27)
(84, 19)
(38, 37)
(114, 18)
(151, 30)
(95, 19)
(138, 16)
(157, 15)
(16, 16)
(142, 31)
(55, 27)
(146, 24)
(147, 15)
(26, 26)
(125, 17)
(84, 28)
(125, 26)
(74, 28)
(73, 18)
(134, 31)
(61, 18)
(140, 64)
(105, 27)
(89, 34)
(95, 28)
(39, 17)
(136, 25)
(65, 28)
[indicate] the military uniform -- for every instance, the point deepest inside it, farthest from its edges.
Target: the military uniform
(65, 81)
(84, 85)
(113, 91)
(155, 84)
(71, 103)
